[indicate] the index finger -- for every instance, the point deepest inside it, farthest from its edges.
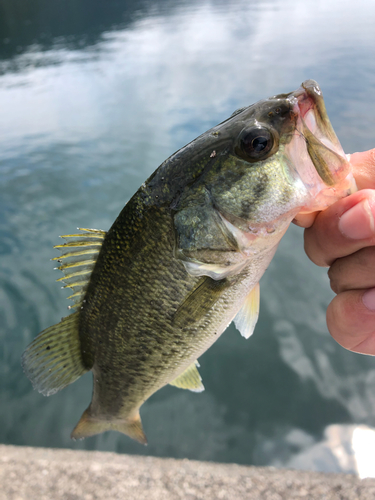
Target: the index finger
(342, 229)
(364, 173)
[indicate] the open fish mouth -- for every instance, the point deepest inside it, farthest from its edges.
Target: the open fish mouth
(313, 124)
(315, 148)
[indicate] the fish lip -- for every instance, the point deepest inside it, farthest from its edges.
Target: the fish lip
(308, 103)
(308, 97)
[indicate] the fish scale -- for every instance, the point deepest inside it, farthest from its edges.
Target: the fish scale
(180, 349)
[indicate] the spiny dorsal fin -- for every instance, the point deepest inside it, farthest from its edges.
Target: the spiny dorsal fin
(53, 360)
(189, 379)
(89, 426)
(77, 264)
(247, 316)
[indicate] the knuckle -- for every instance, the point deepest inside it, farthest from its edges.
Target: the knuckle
(315, 248)
(365, 257)
(339, 319)
(333, 321)
(336, 276)
(335, 287)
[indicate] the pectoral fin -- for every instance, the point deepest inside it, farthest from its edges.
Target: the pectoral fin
(189, 379)
(247, 316)
(200, 301)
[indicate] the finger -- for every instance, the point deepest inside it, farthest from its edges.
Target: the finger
(343, 228)
(351, 320)
(352, 272)
(364, 169)
(305, 220)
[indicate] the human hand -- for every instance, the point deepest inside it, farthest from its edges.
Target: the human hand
(343, 239)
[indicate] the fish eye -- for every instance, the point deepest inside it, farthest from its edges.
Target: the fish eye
(256, 143)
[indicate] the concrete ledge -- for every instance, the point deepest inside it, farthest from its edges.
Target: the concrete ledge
(50, 474)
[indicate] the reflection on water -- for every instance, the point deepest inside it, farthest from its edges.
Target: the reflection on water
(345, 448)
(90, 106)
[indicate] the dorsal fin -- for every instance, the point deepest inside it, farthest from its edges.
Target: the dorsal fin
(78, 259)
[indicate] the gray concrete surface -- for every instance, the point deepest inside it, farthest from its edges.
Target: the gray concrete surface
(50, 474)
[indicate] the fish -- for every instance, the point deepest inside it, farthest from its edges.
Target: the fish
(184, 257)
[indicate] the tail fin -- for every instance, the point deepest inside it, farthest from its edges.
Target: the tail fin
(89, 426)
(53, 360)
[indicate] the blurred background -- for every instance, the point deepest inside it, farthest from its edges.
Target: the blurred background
(93, 97)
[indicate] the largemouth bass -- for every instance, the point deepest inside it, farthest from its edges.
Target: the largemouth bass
(184, 257)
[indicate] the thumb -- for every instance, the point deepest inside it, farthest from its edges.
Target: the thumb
(364, 173)
(342, 229)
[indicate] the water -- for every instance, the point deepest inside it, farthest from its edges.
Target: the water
(93, 97)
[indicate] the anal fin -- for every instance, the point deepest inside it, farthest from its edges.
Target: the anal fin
(189, 379)
(90, 426)
(247, 316)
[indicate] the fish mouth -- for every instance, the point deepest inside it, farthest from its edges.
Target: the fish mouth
(315, 152)
(322, 144)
